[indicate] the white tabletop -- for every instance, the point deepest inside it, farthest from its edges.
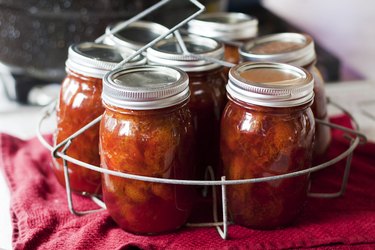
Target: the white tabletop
(358, 97)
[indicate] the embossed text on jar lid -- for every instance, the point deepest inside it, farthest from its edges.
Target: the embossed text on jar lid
(270, 84)
(95, 60)
(145, 87)
(293, 48)
(224, 25)
(135, 35)
(168, 52)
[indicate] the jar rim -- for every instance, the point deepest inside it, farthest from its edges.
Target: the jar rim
(168, 52)
(225, 25)
(145, 87)
(290, 86)
(294, 48)
(95, 60)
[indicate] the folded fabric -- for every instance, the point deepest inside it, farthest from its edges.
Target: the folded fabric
(41, 218)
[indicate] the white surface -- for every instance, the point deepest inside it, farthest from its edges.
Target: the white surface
(358, 97)
(344, 27)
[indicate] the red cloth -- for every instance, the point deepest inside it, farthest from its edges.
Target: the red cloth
(41, 218)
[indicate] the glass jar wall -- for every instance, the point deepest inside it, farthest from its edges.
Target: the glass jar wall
(80, 103)
(207, 86)
(147, 130)
(265, 131)
(295, 49)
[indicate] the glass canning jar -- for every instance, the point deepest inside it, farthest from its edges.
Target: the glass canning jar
(298, 50)
(267, 129)
(233, 28)
(79, 103)
(147, 130)
(207, 86)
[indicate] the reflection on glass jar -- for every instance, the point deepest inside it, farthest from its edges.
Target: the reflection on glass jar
(147, 130)
(80, 103)
(298, 50)
(266, 131)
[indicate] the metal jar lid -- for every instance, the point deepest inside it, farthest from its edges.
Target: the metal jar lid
(168, 52)
(292, 48)
(270, 84)
(145, 87)
(95, 60)
(226, 26)
(135, 35)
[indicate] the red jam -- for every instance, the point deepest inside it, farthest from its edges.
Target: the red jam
(296, 49)
(262, 141)
(207, 101)
(79, 103)
(231, 54)
(148, 143)
(207, 86)
(149, 140)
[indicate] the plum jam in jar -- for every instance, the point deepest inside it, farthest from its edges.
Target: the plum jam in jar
(267, 129)
(298, 50)
(79, 103)
(207, 86)
(147, 130)
(233, 28)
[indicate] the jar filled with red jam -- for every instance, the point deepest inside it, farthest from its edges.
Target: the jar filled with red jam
(267, 129)
(298, 50)
(79, 103)
(147, 130)
(207, 86)
(233, 28)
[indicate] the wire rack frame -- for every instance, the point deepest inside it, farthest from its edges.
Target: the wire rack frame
(59, 151)
(353, 135)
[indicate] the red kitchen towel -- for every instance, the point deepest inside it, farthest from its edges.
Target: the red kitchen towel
(41, 218)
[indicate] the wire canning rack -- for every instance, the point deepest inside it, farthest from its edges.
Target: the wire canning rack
(353, 135)
(59, 151)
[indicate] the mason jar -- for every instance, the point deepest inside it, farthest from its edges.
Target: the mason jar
(207, 87)
(147, 130)
(79, 103)
(298, 50)
(232, 27)
(267, 129)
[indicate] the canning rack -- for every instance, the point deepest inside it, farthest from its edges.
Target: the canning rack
(354, 136)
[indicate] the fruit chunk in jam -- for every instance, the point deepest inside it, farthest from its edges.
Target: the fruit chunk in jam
(260, 143)
(79, 104)
(155, 143)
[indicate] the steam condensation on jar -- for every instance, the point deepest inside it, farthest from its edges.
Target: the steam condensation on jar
(79, 103)
(229, 27)
(207, 86)
(267, 129)
(298, 50)
(147, 130)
